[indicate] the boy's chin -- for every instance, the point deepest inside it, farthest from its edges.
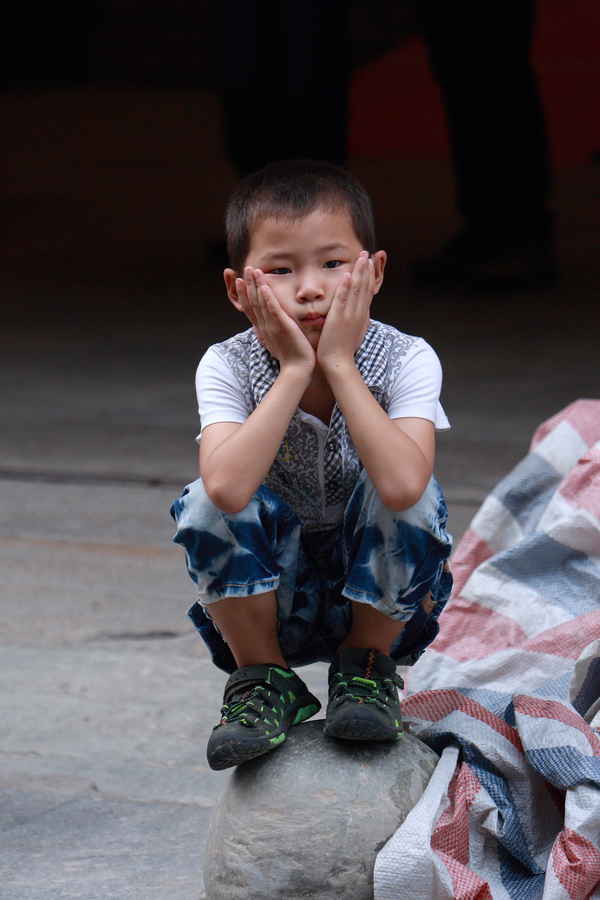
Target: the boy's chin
(313, 337)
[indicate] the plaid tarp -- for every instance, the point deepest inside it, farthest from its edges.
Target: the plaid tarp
(509, 693)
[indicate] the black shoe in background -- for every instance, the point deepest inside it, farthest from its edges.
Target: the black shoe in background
(480, 259)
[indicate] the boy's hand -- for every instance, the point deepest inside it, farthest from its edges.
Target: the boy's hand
(348, 317)
(274, 328)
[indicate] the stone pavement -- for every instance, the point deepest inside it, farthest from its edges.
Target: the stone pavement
(108, 696)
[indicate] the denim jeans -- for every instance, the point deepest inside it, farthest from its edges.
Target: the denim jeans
(395, 561)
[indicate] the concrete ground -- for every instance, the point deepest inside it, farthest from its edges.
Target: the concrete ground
(108, 696)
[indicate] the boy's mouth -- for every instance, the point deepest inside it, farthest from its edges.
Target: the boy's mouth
(313, 318)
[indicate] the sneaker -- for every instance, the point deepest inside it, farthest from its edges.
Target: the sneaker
(259, 705)
(363, 697)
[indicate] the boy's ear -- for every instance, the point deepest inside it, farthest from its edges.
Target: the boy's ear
(379, 261)
(230, 276)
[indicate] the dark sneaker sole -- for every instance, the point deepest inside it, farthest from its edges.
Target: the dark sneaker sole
(356, 726)
(228, 752)
(224, 751)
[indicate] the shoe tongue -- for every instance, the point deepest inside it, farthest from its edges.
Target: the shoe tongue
(244, 680)
(356, 661)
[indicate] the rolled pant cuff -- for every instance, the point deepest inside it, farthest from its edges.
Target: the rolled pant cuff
(232, 591)
(398, 615)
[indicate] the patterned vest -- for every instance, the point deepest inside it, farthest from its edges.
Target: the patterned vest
(317, 466)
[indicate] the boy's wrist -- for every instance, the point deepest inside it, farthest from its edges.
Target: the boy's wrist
(296, 371)
(338, 367)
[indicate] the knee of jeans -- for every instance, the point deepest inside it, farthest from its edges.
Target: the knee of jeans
(366, 504)
(192, 505)
(195, 511)
(363, 496)
(430, 515)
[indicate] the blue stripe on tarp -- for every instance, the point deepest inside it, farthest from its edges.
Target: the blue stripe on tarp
(517, 880)
(511, 835)
(590, 689)
(565, 766)
(553, 689)
(527, 490)
(564, 576)
(495, 701)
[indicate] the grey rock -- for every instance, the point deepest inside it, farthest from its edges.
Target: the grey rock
(306, 821)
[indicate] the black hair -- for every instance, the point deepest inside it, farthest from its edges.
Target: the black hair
(293, 189)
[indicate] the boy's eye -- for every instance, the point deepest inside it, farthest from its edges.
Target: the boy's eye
(281, 270)
(333, 264)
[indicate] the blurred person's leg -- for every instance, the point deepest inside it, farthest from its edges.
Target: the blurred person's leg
(480, 56)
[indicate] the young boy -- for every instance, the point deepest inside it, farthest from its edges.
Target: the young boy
(316, 530)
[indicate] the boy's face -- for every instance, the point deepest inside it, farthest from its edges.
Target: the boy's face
(303, 262)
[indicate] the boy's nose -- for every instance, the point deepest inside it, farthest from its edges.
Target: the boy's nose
(310, 288)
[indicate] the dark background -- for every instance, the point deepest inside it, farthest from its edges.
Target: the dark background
(113, 171)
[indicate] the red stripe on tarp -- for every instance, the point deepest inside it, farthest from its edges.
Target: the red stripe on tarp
(568, 640)
(471, 631)
(470, 553)
(432, 706)
(576, 863)
(583, 416)
(554, 710)
(581, 487)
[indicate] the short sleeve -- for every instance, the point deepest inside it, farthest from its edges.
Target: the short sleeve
(415, 387)
(220, 395)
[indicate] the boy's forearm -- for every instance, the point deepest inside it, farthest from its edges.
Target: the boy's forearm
(238, 466)
(395, 463)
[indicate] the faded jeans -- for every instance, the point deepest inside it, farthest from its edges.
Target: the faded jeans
(395, 561)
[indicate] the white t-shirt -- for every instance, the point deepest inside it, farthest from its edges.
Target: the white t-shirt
(317, 466)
